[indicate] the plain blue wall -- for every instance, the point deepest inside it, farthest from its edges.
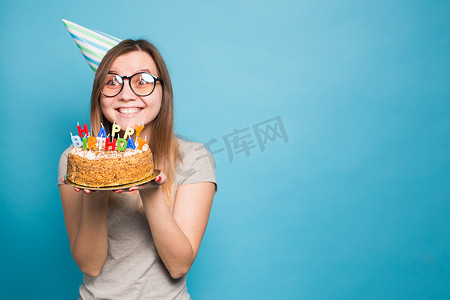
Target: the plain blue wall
(354, 206)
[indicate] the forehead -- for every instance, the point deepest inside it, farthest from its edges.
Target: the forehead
(132, 62)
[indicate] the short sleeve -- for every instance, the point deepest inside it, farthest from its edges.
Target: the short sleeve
(198, 167)
(62, 166)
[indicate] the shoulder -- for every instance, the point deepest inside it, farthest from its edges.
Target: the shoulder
(190, 151)
(197, 163)
(66, 152)
(64, 155)
(62, 165)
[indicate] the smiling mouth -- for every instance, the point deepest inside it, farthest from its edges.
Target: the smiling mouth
(129, 110)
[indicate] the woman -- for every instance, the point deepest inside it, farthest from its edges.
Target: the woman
(140, 243)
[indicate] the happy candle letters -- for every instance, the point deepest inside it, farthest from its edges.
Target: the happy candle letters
(102, 141)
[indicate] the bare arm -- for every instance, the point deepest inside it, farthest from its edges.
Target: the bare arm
(85, 215)
(177, 237)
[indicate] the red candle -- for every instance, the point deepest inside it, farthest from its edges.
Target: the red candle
(111, 145)
(83, 130)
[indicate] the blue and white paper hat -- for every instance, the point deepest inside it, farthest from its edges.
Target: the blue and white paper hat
(93, 43)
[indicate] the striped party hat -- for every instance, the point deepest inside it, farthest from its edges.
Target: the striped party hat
(92, 43)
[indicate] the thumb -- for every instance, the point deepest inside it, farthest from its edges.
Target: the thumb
(161, 178)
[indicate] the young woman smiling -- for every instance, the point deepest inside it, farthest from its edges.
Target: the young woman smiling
(140, 243)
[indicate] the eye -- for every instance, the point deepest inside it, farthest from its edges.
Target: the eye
(142, 81)
(113, 81)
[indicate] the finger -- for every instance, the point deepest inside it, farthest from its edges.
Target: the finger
(133, 188)
(87, 191)
(161, 178)
(76, 189)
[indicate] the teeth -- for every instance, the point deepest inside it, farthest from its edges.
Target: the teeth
(129, 110)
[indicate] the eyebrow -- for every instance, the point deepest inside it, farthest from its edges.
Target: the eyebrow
(138, 71)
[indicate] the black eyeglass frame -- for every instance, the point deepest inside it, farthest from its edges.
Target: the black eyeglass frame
(131, 87)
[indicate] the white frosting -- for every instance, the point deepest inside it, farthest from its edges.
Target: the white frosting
(96, 154)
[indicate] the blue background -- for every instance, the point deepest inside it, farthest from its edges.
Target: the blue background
(354, 206)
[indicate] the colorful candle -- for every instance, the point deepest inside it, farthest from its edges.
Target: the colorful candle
(128, 132)
(115, 129)
(138, 130)
(76, 141)
(121, 144)
(111, 145)
(130, 143)
(84, 143)
(83, 130)
(102, 132)
(100, 142)
(141, 143)
(91, 141)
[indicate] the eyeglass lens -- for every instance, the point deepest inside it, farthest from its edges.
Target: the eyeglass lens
(142, 84)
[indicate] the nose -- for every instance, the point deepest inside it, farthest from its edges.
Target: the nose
(127, 94)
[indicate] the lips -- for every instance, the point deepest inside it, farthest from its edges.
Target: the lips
(128, 110)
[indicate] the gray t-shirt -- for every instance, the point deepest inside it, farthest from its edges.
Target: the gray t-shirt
(133, 268)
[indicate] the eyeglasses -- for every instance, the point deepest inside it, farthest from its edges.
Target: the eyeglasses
(142, 84)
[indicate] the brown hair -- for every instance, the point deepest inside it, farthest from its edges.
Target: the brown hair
(163, 143)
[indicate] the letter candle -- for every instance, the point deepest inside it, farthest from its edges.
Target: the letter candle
(130, 143)
(100, 142)
(102, 132)
(111, 145)
(121, 144)
(91, 142)
(103, 140)
(115, 129)
(76, 141)
(82, 130)
(138, 130)
(141, 143)
(128, 132)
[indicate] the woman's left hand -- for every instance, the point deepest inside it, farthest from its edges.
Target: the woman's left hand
(149, 186)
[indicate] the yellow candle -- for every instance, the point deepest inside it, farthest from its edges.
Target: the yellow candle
(128, 132)
(141, 143)
(138, 130)
(115, 129)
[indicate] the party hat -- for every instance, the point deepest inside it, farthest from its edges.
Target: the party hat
(93, 43)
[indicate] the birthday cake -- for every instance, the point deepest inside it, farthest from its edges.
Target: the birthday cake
(100, 162)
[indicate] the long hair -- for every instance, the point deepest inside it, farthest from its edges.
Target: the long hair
(162, 142)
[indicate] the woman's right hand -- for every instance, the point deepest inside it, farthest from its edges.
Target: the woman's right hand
(87, 191)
